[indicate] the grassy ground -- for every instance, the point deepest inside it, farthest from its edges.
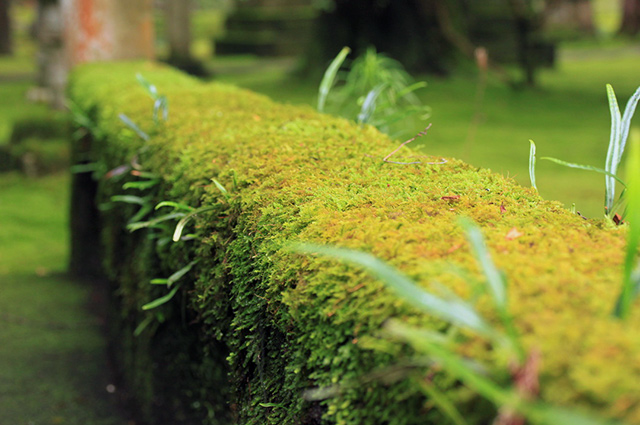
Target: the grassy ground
(53, 364)
(53, 367)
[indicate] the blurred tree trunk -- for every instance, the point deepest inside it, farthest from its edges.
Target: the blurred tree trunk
(99, 30)
(406, 30)
(178, 21)
(630, 17)
(6, 45)
(525, 17)
(576, 15)
(52, 72)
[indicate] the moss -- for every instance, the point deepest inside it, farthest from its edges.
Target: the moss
(291, 322)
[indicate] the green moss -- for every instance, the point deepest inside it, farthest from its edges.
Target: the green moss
(290, 322)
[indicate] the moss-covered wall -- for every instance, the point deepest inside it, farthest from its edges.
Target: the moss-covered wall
(286, 322)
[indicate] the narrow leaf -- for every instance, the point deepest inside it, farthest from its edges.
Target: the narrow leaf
(495, 280)
(162, 300)
(369, 104)
(547, 414)
(442, 402)
(532, 164)
(181, 273)
(585, 167)
(183, 222)
(613, 151)
(625, 124)
(150, 88)
(161, 104)
(84, 168)
(221, 188)
(452, 362)
(129, 199)
(330, 76)
(82, 119)
(627, 294)
(125, 119)
(175, 205)
(410, 89)
(133, 226)
(145, 174)
(496, 283)
(118, 171)
(455, 311)
(142, 212)
(538, 413)
(143, 325)
(141, 185)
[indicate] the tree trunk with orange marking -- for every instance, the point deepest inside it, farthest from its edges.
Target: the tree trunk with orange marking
(100, 30)
(103, 30)
(6, 45)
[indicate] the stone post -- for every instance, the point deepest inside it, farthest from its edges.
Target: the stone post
(99, 30)
(102, 30)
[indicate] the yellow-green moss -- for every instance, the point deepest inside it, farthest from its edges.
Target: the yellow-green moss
(292, 322)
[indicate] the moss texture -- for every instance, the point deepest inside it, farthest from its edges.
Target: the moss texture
(287, 322)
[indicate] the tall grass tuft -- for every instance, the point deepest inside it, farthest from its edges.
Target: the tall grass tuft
(617, 141)
(631, 276)
(329, 77)
(376, 90)
(620, 125)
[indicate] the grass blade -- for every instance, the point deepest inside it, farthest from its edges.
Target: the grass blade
(125, 119)
(183, 222)
(82, 119)
(150, 88)
(629, 110)
(330, 76)
(175, 276)
(142, 212)
(532, 164)
(129, 199)
(181, 273)
(410, 89)
(495, 280)
(161, 104)
(137, 225)
(175, 205)
(586, 167)
(451, 361)
(221, 188)
(143, 325)
(613, 152)
(627, 294)
(539, 413)
(546, 414)
(455, 311)
(141, 185)
(496, 283)
(369, 104)
(162, 300)
(442, 402)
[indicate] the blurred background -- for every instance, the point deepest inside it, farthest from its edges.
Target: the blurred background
(497, 73)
